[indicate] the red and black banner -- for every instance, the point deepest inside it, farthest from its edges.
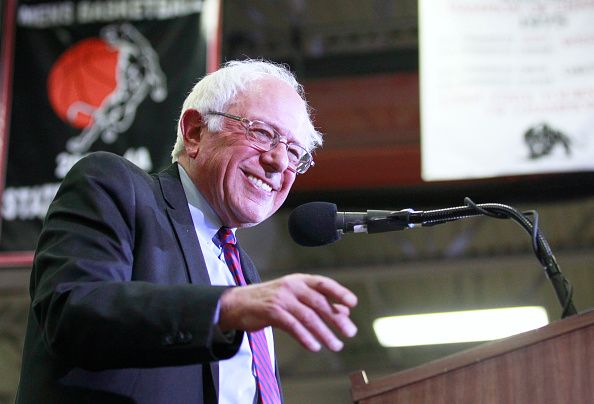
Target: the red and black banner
(94, 75)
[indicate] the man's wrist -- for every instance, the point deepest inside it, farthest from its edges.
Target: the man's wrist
(223, 309)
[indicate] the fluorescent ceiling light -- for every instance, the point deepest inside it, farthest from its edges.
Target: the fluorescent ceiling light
(459, 326)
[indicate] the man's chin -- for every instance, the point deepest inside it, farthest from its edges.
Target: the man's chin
(253, 218)
(246, 225)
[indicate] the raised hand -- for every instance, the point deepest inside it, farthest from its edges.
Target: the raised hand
(308, 307)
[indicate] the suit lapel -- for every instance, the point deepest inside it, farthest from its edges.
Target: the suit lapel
(247, 266)
(181, 221)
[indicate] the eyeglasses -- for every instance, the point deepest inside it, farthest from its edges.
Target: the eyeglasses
(264, 137)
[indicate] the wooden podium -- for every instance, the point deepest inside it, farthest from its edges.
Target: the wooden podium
(553, 364)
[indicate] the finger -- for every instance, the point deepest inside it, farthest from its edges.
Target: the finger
(310, 319)
(333, 290)
(341, 309)
(335, 314)
(347, 327)
(290, 324)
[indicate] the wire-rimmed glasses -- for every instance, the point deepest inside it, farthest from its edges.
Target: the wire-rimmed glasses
(264, 137)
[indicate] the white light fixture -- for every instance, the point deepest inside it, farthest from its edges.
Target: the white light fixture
(460, 326)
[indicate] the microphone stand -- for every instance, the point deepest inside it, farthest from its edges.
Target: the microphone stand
(542, 250)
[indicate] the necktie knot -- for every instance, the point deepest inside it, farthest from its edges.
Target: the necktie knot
(226, 236)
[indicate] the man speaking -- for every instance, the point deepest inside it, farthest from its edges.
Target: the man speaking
(140, 292)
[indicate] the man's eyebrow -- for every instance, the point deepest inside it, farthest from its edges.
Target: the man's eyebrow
(280, 132)
(290, 139)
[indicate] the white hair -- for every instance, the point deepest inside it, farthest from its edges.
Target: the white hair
(215, 90)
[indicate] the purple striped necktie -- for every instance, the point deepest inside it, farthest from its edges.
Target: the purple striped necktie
(265, 378)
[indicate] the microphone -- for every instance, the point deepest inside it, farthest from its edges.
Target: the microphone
(319, 223)
(314, 224)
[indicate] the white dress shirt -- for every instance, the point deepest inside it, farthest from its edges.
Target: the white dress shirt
(236, 376)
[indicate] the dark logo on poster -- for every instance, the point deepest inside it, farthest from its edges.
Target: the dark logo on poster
(97, 84)
(542, 140)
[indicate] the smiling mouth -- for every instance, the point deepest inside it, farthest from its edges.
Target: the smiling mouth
(259, 183)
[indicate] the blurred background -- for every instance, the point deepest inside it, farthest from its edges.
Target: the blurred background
(363, 69)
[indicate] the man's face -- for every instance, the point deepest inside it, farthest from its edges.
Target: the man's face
(243, 185)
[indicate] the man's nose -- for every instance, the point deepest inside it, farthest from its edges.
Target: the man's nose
(276, 158)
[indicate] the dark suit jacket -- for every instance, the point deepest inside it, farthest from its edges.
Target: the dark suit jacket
(122, 308)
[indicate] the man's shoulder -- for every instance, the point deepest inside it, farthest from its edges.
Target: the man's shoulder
(105, 160)
(108, 166)
(109, 172)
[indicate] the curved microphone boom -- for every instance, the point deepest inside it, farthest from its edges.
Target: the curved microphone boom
(318, 223)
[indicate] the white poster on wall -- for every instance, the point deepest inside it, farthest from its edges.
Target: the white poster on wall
(507, 87)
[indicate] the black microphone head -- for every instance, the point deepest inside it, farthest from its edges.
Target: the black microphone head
(314, 224)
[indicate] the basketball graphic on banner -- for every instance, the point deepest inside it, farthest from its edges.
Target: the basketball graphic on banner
(81, 79)
(98, 84)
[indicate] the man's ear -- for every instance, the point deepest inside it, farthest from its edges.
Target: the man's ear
(191, 127)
